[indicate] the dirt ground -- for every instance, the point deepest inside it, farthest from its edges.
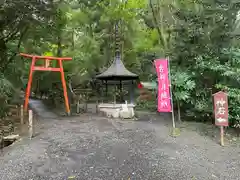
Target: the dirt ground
(90, 147)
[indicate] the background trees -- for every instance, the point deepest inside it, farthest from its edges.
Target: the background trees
(199, 37)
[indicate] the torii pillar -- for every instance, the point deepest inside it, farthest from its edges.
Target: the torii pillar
(46, 68)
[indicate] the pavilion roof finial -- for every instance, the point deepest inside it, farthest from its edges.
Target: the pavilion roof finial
(117, 71)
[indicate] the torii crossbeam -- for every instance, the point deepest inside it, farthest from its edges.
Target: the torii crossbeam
(46, 67)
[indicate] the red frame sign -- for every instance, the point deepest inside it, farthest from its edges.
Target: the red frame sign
(47, 67)
(221, 108)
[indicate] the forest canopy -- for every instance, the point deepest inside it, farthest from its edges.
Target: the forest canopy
(200, 37)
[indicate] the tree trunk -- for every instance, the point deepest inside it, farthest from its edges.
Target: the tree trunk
(179, 111)
(3, 52)
(73, 40)
(158, 27)
(4, 59)
(59, 45)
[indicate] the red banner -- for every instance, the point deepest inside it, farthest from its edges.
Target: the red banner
(221, 108)
(164, 97)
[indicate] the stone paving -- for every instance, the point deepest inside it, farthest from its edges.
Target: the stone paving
(90, 147)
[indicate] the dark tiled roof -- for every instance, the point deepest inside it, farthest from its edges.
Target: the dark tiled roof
(117, 71)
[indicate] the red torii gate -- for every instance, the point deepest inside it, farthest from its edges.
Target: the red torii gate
(46, 68)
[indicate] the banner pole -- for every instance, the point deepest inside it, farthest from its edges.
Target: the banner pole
(171, 96)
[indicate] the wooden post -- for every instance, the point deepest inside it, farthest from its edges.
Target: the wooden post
(171, 96)
(30, 126)
(86, 106)
(78, 107)
(18, 112)
(97, 107)
(222, 135)
(1, 139)
(21, 115)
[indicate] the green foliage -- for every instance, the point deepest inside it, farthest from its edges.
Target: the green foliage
(202, 32)
(230, 83)
(6, 91)
(183, 86)
(198, 36)
(146, 104)
(5, 87)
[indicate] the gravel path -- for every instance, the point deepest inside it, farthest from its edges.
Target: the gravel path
(97, 148)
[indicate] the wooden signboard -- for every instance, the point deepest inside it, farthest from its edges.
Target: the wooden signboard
(221, 112)
(221, 108)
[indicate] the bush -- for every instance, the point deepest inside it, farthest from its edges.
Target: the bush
(6, 92)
